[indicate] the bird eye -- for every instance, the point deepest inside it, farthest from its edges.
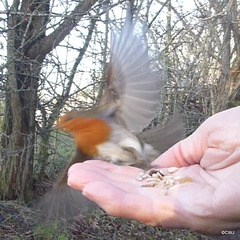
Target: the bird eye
(68, 118)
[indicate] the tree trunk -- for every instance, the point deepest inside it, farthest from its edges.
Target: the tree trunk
(27, 48)
(19, 123)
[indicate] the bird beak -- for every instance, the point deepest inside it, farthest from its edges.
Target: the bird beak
(57, 126)
(54, 128)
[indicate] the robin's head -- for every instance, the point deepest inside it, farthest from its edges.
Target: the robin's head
(67, 123)
(88, 132)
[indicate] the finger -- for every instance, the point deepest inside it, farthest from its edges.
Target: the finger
(186, 152)
(78, 179)
(102, 166)
(122, 176)
(90, 164)
(117, 202)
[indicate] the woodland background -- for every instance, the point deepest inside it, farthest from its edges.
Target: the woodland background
(53, 59)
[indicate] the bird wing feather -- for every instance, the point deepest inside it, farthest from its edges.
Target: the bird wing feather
(133, 88)
(162, 138)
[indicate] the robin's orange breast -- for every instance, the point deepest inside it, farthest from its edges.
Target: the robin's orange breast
(88, 133)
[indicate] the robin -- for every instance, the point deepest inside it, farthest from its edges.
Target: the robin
(113, 130)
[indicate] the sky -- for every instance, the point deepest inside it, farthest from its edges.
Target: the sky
(67, 58)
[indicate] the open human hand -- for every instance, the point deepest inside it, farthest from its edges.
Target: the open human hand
(209, 203)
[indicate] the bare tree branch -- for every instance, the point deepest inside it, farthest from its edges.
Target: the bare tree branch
(48, 43)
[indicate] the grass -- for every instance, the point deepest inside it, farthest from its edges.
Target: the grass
(18, 222)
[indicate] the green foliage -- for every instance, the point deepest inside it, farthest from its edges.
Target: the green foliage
(64, 149)
(53, 155)
(51, 232)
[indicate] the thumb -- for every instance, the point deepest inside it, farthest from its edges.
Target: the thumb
(184, 153)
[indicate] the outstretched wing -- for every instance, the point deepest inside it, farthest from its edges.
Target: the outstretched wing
(162, 138)
(133, 88)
